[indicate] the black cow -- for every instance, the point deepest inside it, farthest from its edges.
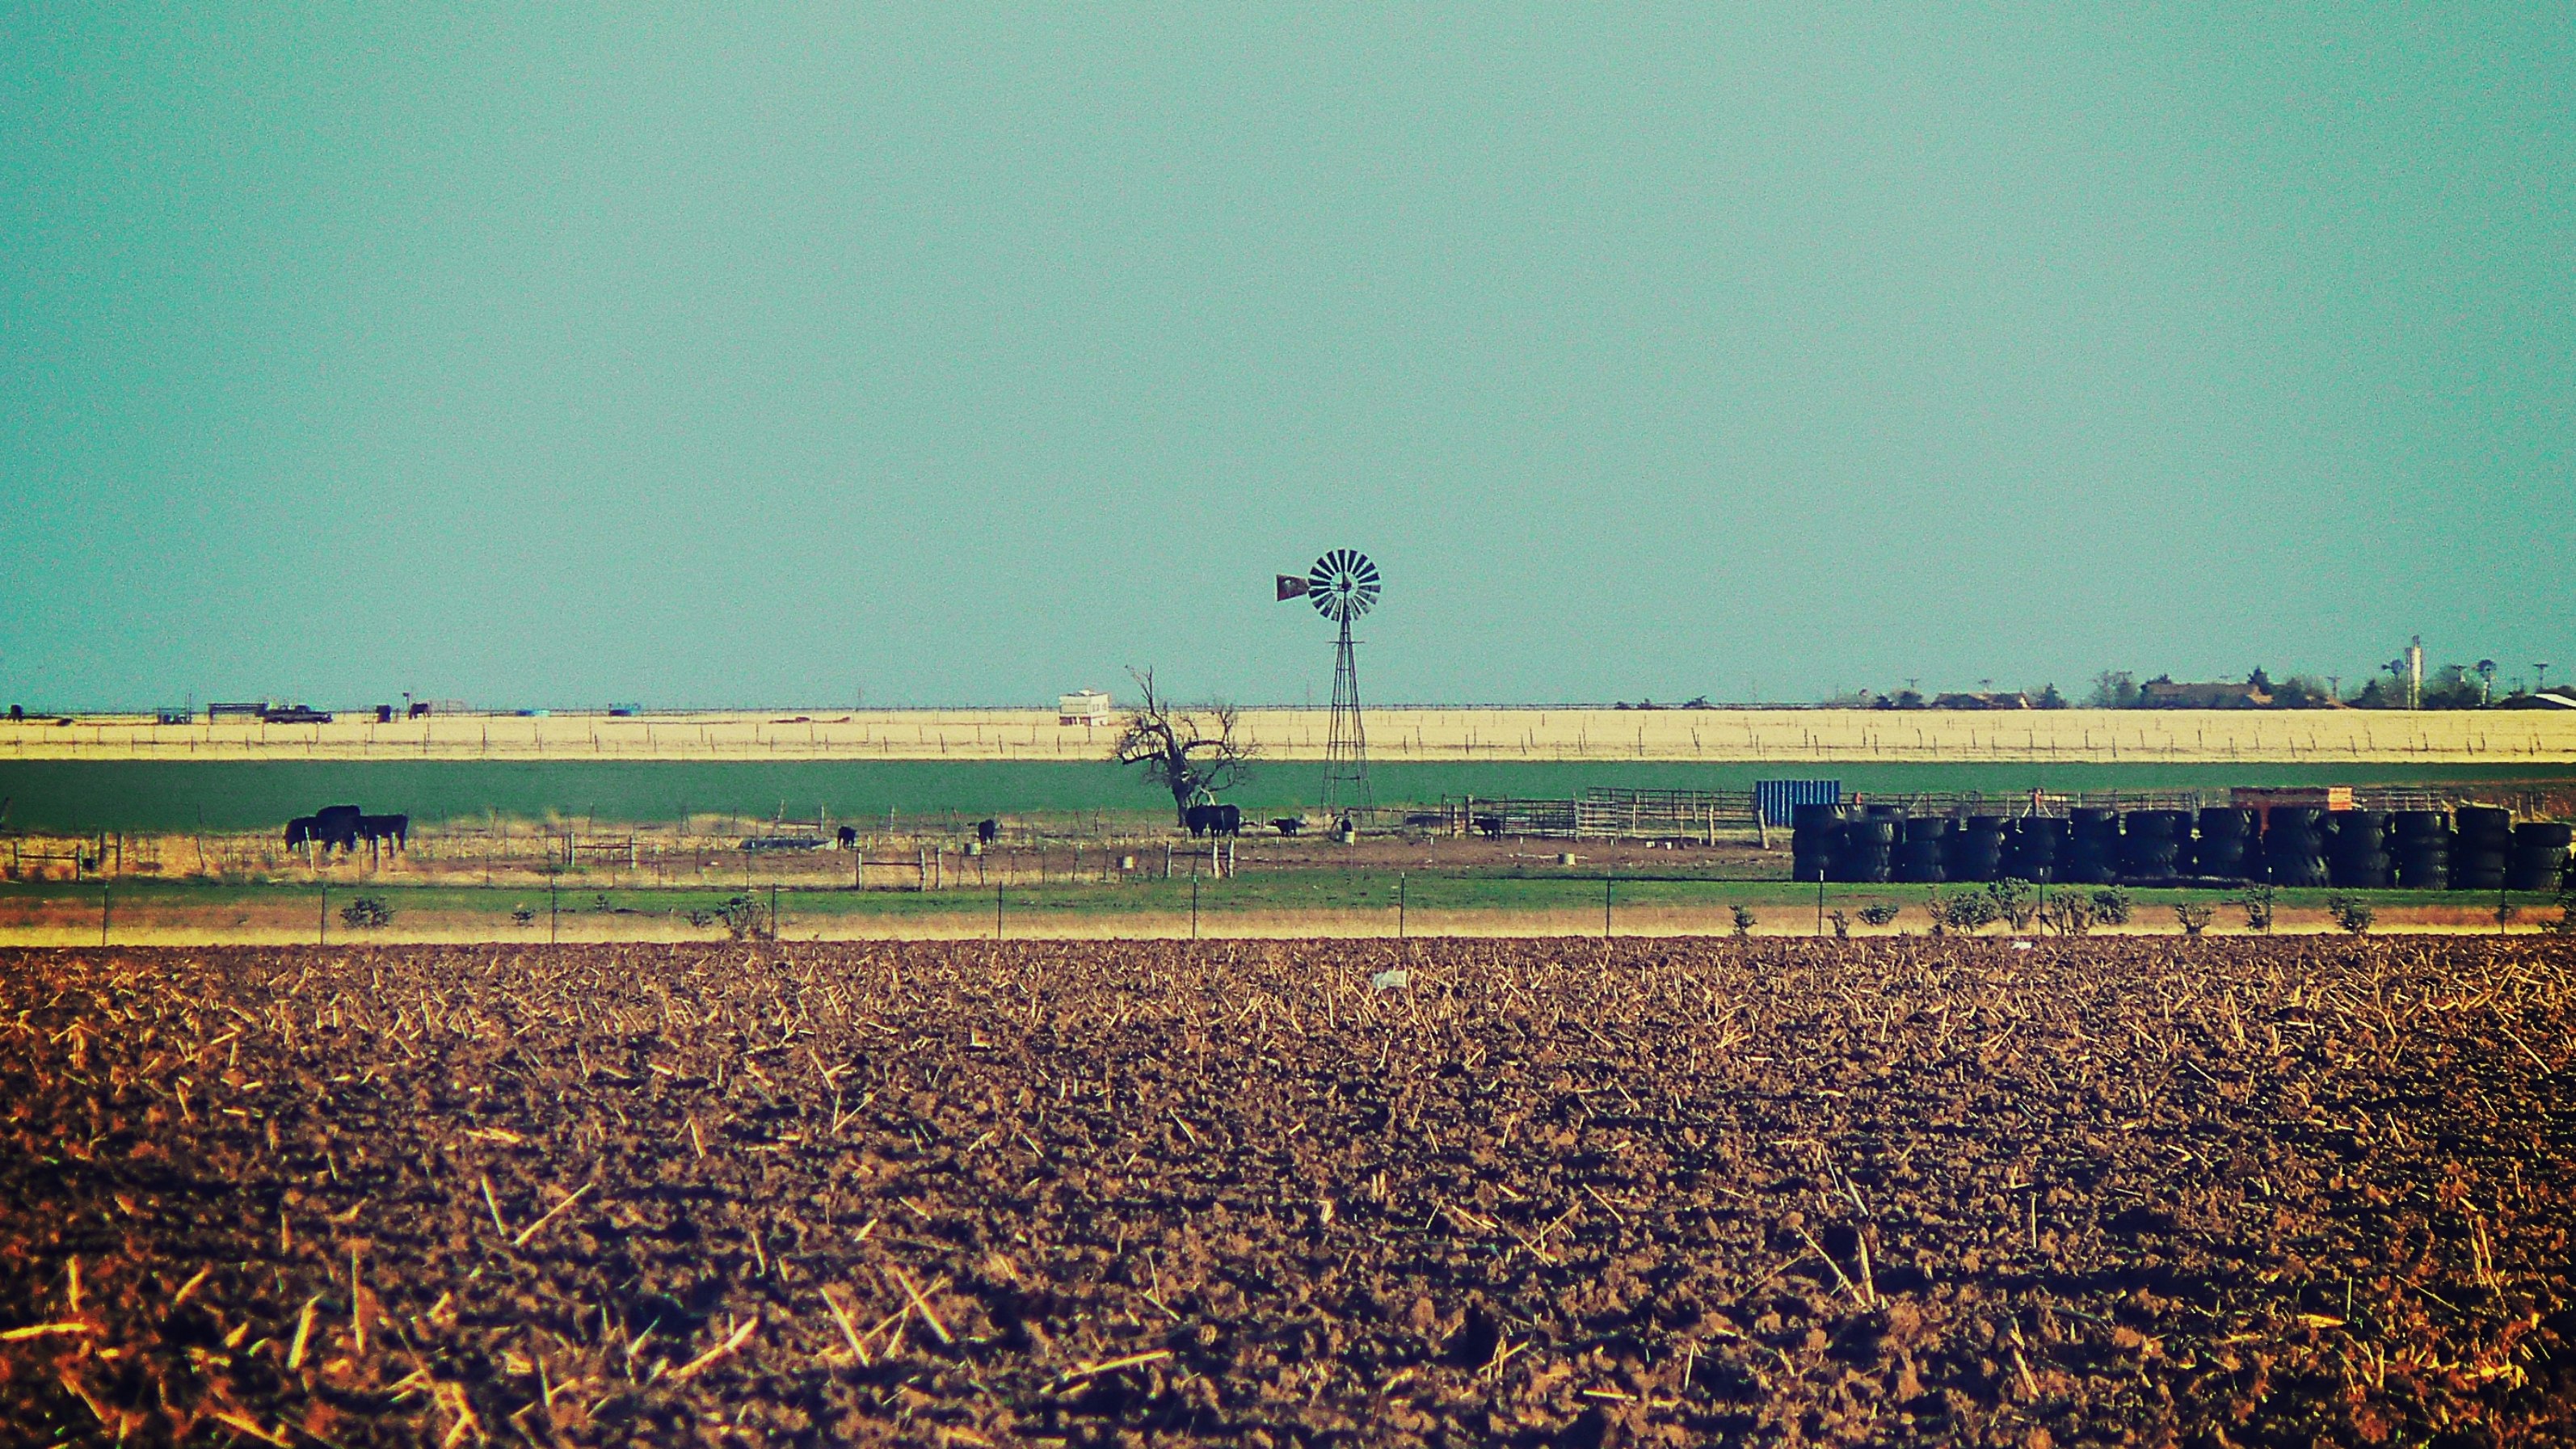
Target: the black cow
(337, 825)
(1215, 820)
(848, 839)
(987, 830)
(392, 832)
(299, 832)
(1289, 824)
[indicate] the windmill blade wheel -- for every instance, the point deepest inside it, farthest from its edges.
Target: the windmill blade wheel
(1343, 584)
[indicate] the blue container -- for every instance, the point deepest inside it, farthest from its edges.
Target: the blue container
(1775, 798)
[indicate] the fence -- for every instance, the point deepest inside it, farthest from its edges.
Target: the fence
(1784, 736)
(1605, 813)
(2060, 802)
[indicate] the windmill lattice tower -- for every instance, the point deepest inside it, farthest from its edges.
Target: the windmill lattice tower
(1342, 585)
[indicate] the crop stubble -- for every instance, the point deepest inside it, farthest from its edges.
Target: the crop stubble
(1667, 1191)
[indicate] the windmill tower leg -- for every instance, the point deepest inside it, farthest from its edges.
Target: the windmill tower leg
(1346, 786)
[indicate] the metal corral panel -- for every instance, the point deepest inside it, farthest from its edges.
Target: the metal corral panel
(1610, 812)
(1776, 798)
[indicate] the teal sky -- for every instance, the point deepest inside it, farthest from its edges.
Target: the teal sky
(555, 354)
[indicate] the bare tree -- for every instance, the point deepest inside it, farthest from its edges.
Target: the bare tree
(1185, 750)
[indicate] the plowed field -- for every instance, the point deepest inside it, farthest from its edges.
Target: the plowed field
(1672, 1192)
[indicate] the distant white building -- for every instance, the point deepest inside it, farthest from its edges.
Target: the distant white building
(1082, 707)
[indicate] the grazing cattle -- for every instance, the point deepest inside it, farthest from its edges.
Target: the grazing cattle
(299, 832)
(1198, 818)
(337, 825)
(392, 832)
(987, 830)
(1229, 820)
(1215, 820)
(848, 839)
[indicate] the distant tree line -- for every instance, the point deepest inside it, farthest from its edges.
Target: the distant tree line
(2451, 686)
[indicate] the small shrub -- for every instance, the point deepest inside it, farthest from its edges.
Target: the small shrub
(2013, 901)
(1880, 913)
(2257, 902)
(1743, 921)
(2350, 912)
(1842, 925)
(744, 917)
(2068, 914)
(367, 913)
(1968, 911)
(2565, 925)
(702, 918)
(2112, 906)
(522, 916)
(2194, 916)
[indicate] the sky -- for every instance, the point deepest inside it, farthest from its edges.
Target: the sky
(937, 354)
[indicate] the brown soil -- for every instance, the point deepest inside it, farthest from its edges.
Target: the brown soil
(1682, 1192)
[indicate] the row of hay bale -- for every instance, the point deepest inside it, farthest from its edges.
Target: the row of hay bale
(2476, 848)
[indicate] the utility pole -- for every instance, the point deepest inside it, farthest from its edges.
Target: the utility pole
(1399, 913)
(1194, 903)
(323, 937)
(553, 935)
(997, 910)
(102, 913)
(1606, 878)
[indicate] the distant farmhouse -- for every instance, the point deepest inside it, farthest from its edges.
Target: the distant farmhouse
(2164, 693)
(1968, 699)
(2559, 698)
